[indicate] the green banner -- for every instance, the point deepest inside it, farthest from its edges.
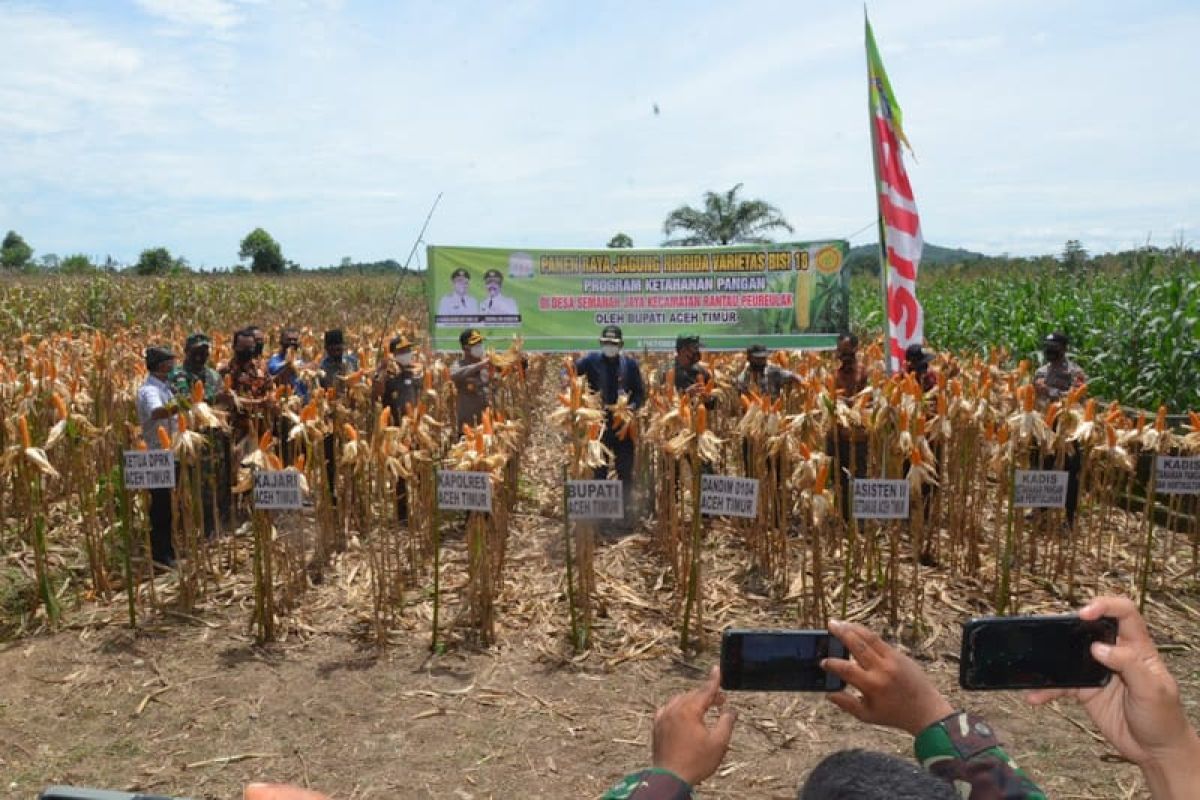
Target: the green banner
(781, 295)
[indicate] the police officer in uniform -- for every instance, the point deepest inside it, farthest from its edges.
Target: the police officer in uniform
(398, 385)
(471, 375)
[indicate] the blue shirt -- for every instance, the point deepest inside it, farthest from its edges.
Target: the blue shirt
(337, 369)
(275, 365)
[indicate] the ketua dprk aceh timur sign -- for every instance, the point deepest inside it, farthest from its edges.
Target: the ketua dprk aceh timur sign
(781, 295)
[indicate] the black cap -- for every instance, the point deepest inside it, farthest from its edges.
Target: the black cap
(470, 337)
(757, 351)
(334, 336)
(915, 354)
(1057, 337)
(196, 340)
(460, 273)
(493, 274)
(611, 335)
(157, 355)
(686, 339)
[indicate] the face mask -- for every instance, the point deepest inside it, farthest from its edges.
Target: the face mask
(610, 350)
(1053, 353)
(404, 359)
(758, 366)
(244, 355)
(476, 351)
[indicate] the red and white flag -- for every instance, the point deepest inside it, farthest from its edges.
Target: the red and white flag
(899, 224)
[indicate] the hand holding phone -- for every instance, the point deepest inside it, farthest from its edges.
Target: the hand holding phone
(893, 689)
(778, 660)
(683, 742)
(1139, 711)
(1033, 652)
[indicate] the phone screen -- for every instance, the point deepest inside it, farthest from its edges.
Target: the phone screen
(1033, 652)
(779, 661)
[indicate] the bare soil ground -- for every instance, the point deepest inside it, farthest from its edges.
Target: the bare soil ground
(189, 705)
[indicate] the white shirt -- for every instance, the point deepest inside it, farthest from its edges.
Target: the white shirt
(499, 305)
(454, 304)
(153, 395)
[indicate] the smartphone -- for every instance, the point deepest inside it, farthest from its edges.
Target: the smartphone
(778, 660)
(1033, 652)
(80, 793)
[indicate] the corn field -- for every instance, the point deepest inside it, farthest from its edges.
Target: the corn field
(72, 535)
(1134, 328)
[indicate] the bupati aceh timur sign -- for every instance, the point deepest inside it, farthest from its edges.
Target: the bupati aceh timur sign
(782, 295)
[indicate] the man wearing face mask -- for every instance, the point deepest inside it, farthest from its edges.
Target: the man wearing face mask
(398, 385)
(1053, 381)
(337, 363)
(690, 374)
(284, 366)
(615, 375)
(1059, 374)
(195, 368)
(156, 408)
(333, 369)
(850, 378)
(260, 340)
(251, 385)
(766, 379)
(213, 465)
(471, 375)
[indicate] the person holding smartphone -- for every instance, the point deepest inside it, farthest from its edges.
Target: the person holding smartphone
(1139, 712)
(893, 691)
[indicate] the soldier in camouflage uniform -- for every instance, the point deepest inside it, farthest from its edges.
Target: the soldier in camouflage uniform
(766, 379)
(214, 464)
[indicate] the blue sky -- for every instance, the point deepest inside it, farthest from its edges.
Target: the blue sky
(333, 124)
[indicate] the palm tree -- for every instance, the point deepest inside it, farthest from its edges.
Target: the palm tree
(724, 220)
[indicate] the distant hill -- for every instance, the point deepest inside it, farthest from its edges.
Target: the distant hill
(865, 257)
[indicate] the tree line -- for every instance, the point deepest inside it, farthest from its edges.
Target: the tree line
(258, 253)
(723, 218)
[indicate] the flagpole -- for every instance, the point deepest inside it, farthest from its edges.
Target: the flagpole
(883, 265)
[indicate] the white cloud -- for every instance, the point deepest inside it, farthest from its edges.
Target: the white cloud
(217, 15)
(339, 122)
